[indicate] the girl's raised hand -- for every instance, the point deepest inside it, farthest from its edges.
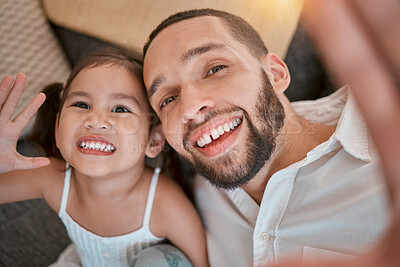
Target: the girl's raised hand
(10, 93)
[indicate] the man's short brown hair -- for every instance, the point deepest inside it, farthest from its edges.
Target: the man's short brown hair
(239, 28)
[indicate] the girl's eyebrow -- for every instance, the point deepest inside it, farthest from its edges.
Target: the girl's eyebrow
(78, 93)
(125, 96)
(113, 96)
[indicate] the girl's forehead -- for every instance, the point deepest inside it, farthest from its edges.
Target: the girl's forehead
(109, 83)
(108, 79)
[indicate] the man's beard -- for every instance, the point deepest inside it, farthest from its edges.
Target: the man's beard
(225, 172)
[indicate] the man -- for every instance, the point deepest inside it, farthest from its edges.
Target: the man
(292, 179)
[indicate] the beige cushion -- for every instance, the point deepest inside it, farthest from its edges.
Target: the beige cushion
(27, 44)
(129, 22)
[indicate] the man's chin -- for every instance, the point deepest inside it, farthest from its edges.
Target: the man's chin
(226, 185)
(221, 174)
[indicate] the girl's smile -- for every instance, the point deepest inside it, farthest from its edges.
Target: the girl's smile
(95, 145)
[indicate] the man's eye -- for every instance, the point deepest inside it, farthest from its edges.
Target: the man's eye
(215, 69)
(81, 105)
(120, 109)
(167, 101)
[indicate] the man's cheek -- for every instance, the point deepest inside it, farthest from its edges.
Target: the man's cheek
(174, 142)
(171, 126)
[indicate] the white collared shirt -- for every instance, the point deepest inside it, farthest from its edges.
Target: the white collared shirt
(333, 202)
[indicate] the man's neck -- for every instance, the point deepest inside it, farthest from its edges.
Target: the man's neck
(295, 140)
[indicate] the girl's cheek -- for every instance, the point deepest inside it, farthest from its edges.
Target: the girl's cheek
(129, 125)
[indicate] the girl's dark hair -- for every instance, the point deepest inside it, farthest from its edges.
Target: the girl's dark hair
(43, 130)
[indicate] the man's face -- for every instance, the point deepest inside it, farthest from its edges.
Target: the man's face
(217, 106)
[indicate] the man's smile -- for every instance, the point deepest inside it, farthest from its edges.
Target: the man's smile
(218, 133)
(214, 136)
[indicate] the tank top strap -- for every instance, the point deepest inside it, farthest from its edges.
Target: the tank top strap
(65, 193)
(150, 197)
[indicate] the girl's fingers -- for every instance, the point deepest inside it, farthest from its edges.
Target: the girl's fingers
(23, 163)
(13, 97)
(29, 111)
(5, 86)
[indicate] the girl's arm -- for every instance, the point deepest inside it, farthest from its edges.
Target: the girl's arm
(176, 218)
(45, 182)
(10, 93)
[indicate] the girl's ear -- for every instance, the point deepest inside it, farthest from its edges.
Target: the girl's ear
(156, 141)
(56, 128)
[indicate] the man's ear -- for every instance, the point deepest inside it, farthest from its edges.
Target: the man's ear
(156, 141)
(277, 71)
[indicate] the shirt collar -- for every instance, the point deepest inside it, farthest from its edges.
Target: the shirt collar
(339, 109)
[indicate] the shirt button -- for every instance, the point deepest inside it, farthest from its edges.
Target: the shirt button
(264, 236)
(105, 254)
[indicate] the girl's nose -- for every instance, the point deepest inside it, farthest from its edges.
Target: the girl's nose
(96, 121)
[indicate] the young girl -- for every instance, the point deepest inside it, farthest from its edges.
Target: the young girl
(111, 204)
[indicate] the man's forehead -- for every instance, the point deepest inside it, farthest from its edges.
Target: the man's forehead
(186, 34)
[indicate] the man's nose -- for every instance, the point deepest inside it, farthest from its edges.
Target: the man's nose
(196, 101)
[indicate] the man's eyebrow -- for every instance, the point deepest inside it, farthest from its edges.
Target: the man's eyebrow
(155, 85)
(197, 51)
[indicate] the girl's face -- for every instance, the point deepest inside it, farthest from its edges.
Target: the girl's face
(103, 127)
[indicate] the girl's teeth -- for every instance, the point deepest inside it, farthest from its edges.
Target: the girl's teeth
(96, 146)
(92, 145)
(235, 123)
(231, 125)
(110, 148)
(103, 146)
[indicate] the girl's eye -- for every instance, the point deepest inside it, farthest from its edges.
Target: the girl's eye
(215, 69)
(81, 105)
(120, 109)
(167, 101)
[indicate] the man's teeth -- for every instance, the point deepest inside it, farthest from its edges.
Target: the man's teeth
(217, 132)
(97, 146)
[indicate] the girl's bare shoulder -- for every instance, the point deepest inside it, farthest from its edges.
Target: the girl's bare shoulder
(170, 203)
(168, 190)
(53, 182)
